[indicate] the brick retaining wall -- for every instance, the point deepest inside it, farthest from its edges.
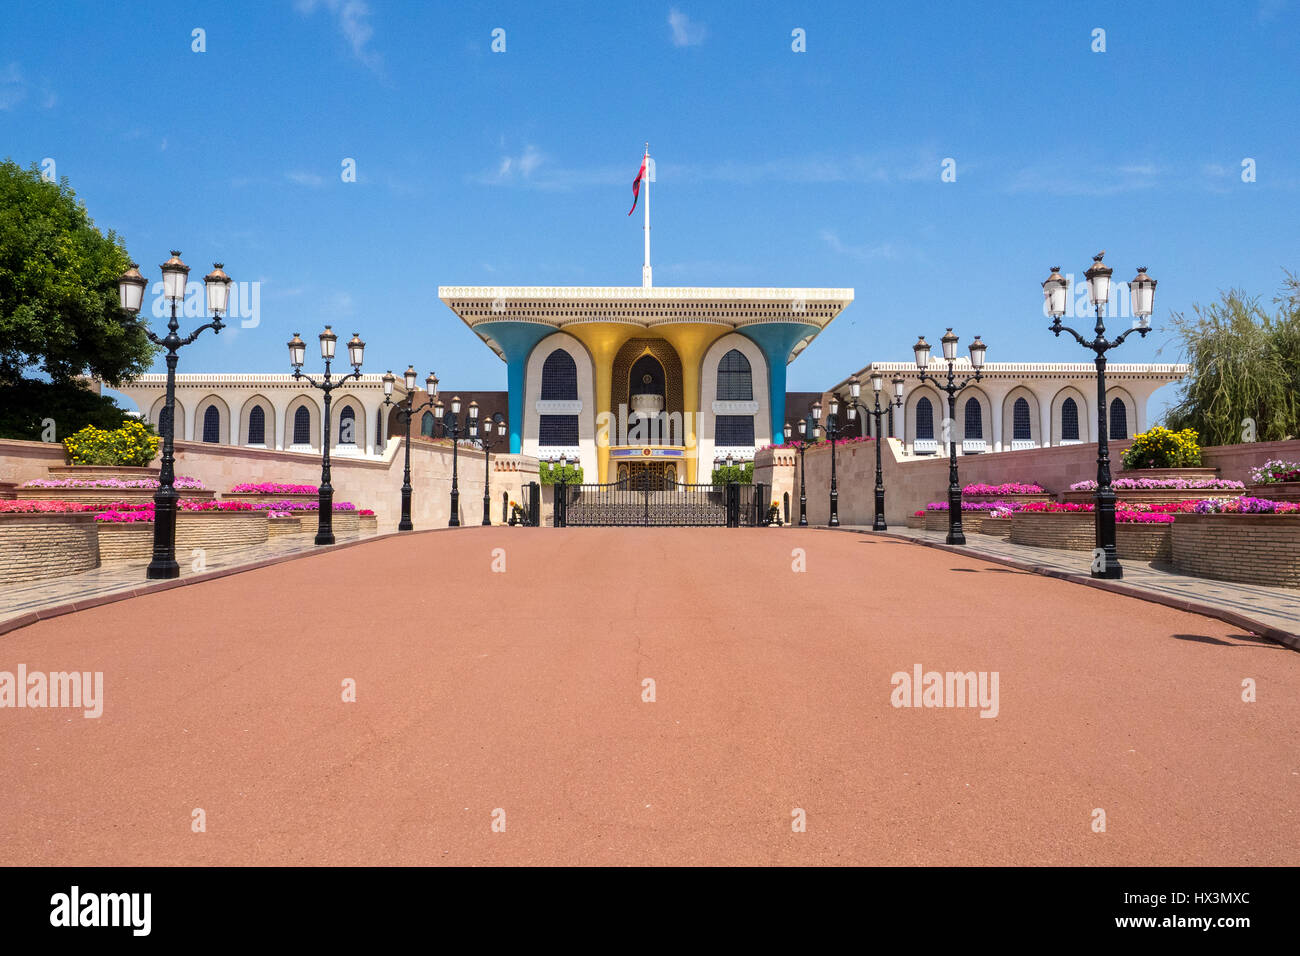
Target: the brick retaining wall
(1140, 541)
(36, 546)
(1252, 549)
(1068, 530)
(103, 496)
(997, 527)
(970, 520)
(132, 541)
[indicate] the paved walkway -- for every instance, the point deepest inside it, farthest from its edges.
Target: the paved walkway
(1269, 612)
(23, 604)
(504, 676)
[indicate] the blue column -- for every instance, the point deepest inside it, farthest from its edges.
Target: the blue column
(517, 340)
(776, 339)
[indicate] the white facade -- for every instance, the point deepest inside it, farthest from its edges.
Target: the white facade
(1014, 406)
(285, 414)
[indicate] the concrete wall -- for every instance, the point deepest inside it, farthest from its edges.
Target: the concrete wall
(373, 483)
(911, 482)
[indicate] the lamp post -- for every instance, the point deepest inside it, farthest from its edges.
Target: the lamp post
(327, 384)
(455, 430)
(803, 492)
(562, 510)
(131, 286)
(406, 412)
(1143, 288)
(922, 352)
(832, 429)
(486, 441)
(855, 390)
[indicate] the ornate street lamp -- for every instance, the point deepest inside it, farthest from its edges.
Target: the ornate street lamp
(1143, 289)
(855, 390)
(487, 441)
(455, 427)
(803, 491)
(130, 287)
(405, 412)
(922, 352)
(561, 509)
(833, 431)
(327, 384)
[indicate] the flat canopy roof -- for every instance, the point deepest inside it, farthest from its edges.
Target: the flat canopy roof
(647, 307)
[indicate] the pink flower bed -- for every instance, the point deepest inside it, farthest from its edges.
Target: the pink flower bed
(296, 505)
(1009, 488)
(69, 507)
(119, 512)
(274, 488)
(1164, 484)
(180, 482)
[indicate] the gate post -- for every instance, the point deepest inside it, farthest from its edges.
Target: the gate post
(505, 506)
(787, 507)
(534, 504)
(733, 505)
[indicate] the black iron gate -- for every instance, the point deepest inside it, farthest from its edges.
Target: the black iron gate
(632, 503)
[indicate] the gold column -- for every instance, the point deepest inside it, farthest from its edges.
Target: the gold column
(691, 340)
(603, 340)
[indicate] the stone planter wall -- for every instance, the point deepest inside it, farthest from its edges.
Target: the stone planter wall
(256, 497)
(970, 520)
(1273, 491)
(1158, 472)
(210, 530)
(369, 524)
(1141, 541)
(1070, 531)
(37, 546)
(916, 521)
(7, 489)
(102, 496)
(997, 527)
(1252, 549)
(276, 527)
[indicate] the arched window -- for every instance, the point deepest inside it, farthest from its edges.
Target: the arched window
(559, 383)
(924, 420)
(426, 425)
(212, 425)
(735, 379)
(302, 426)
(348, 425)
(1118, 419)
(257, 426)
(1020, 430)
(1069, 420)
(974, 419)
(559, 377)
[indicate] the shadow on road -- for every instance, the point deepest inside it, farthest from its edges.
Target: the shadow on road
(1247, 640)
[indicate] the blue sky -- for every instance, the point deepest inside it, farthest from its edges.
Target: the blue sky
(775, 168)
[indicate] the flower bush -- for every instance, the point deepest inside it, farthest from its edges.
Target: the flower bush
(180, 483)
(1009, 488)
(919, 514)
(1177, 484)
(1246, 505)
(274, 488)
(70, 507)
(1274, 471)
(281, 514)
(1160, 447)
(134, 444)
(366, 513)
(977, 505)
(1053, 507)
(292, 505)
(124, 517)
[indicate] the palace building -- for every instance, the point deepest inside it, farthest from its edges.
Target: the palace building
(643, 380)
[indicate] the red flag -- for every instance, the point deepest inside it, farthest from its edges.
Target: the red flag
(636, 187)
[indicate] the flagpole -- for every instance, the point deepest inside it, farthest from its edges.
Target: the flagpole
(645, 184)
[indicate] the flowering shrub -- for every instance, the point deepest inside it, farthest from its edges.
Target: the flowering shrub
(918, 514)
(1161, 448)
(124, 517)
(281, 514)
(976, 505)
(1009, 488)
(70, 507)
(366, 513)
(293, 505)
(1246, 505)
(134, 444)
(1054, 507)
(180, 482)
(1124, 516)
(1272, 471)
(1178, 484)
(274, 488)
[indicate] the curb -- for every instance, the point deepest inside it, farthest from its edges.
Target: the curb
(1272, 633)
(58, 610)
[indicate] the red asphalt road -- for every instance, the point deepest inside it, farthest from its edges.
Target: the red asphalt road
(523, 691)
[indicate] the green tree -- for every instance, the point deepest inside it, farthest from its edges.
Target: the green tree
(1243, 364)
(59, 312)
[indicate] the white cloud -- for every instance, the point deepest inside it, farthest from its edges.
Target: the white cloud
(15, 88)
(302, 178)
(353, 20)
(685, 33)
(866, 253)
